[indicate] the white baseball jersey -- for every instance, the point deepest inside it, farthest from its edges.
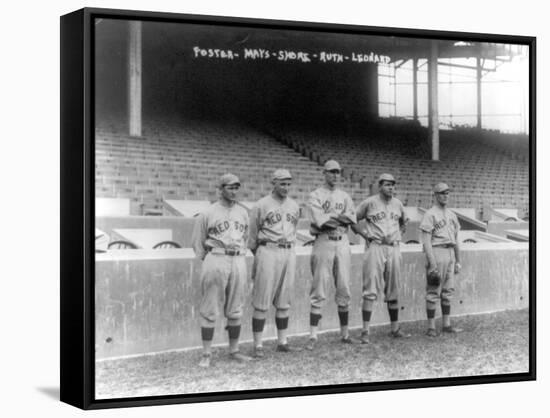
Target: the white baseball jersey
(221, 226)
(442, 223)
(272, 220)
(382, 218)
(324, 203)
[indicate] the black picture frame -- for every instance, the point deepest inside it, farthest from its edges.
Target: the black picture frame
(78, 217)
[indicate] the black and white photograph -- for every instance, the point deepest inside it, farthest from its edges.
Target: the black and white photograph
(128, 129)
(307, 206)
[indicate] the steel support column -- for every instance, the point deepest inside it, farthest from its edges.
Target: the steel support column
(433, 108)
(134, 78)
(415, 89)
(478, 83)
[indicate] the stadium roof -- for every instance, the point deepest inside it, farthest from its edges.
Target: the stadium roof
(396, 47)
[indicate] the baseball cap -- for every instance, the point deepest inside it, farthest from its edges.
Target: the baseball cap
(441, 187)
(228, 179)
(281, 174)
(386, 177)
(331, 165)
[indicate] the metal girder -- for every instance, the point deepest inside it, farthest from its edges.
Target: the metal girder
(468, 67)
(399, 65)
(135, 68)
(449, 50)
(433, 107)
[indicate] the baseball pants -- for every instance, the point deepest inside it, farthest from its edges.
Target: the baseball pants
(445, 263)
(381, 271)
(330, 260)
(274, 273)
(223, 280)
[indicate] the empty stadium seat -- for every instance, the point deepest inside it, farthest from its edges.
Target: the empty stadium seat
(184, 159)
(165, 245)
(121, 245)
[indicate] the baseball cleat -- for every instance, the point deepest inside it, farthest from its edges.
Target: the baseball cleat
(451, 330)
(259, 352)
(348, 340)
(205, 361)
(365, 339)
(399, 334)
(431, 332)
(311, 344)
(238, 356)
(285, 348)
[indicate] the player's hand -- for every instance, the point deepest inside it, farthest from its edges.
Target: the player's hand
(458, 267)
(343, 219)
(431, 267)
(332, 223)
(403, 226)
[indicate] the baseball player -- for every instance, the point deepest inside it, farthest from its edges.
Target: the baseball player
(272, 238)
(440, 228)
(219, 238)
(386, 220)
(331, 211)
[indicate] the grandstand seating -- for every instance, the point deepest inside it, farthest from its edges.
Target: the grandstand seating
(184, 161)
(480, 174)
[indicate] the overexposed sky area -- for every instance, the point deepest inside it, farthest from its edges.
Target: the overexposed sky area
(504, 92)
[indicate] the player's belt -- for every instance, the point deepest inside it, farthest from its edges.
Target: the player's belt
(381, 242)
(285, 245)
(335, 238)
(449, 245)
(227, 251)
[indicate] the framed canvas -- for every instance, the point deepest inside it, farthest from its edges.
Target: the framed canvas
(256, 208)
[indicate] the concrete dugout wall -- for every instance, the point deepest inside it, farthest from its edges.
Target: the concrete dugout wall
(500, 228)
(147, 300)
(182, 228)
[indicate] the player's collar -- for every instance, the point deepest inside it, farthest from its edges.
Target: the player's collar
(383, 199)
(277, 199)
(227, 204)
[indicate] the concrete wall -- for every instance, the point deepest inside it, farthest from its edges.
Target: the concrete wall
(500, 228)
(147, 300)
(182, 228)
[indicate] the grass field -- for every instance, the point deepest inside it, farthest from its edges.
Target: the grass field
(496, 343)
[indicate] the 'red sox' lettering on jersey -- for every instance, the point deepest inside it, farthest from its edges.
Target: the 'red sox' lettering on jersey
(272, 221)
(384, 218)
(220, 226)
(442, 223)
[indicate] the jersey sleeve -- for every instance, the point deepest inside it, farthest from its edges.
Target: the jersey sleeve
(254, 227)
(457, 226)
(349, 209)
(246, 235)
(361, 211)
(199, 236)
(427, 224)
(403, 219)
(316, 213)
